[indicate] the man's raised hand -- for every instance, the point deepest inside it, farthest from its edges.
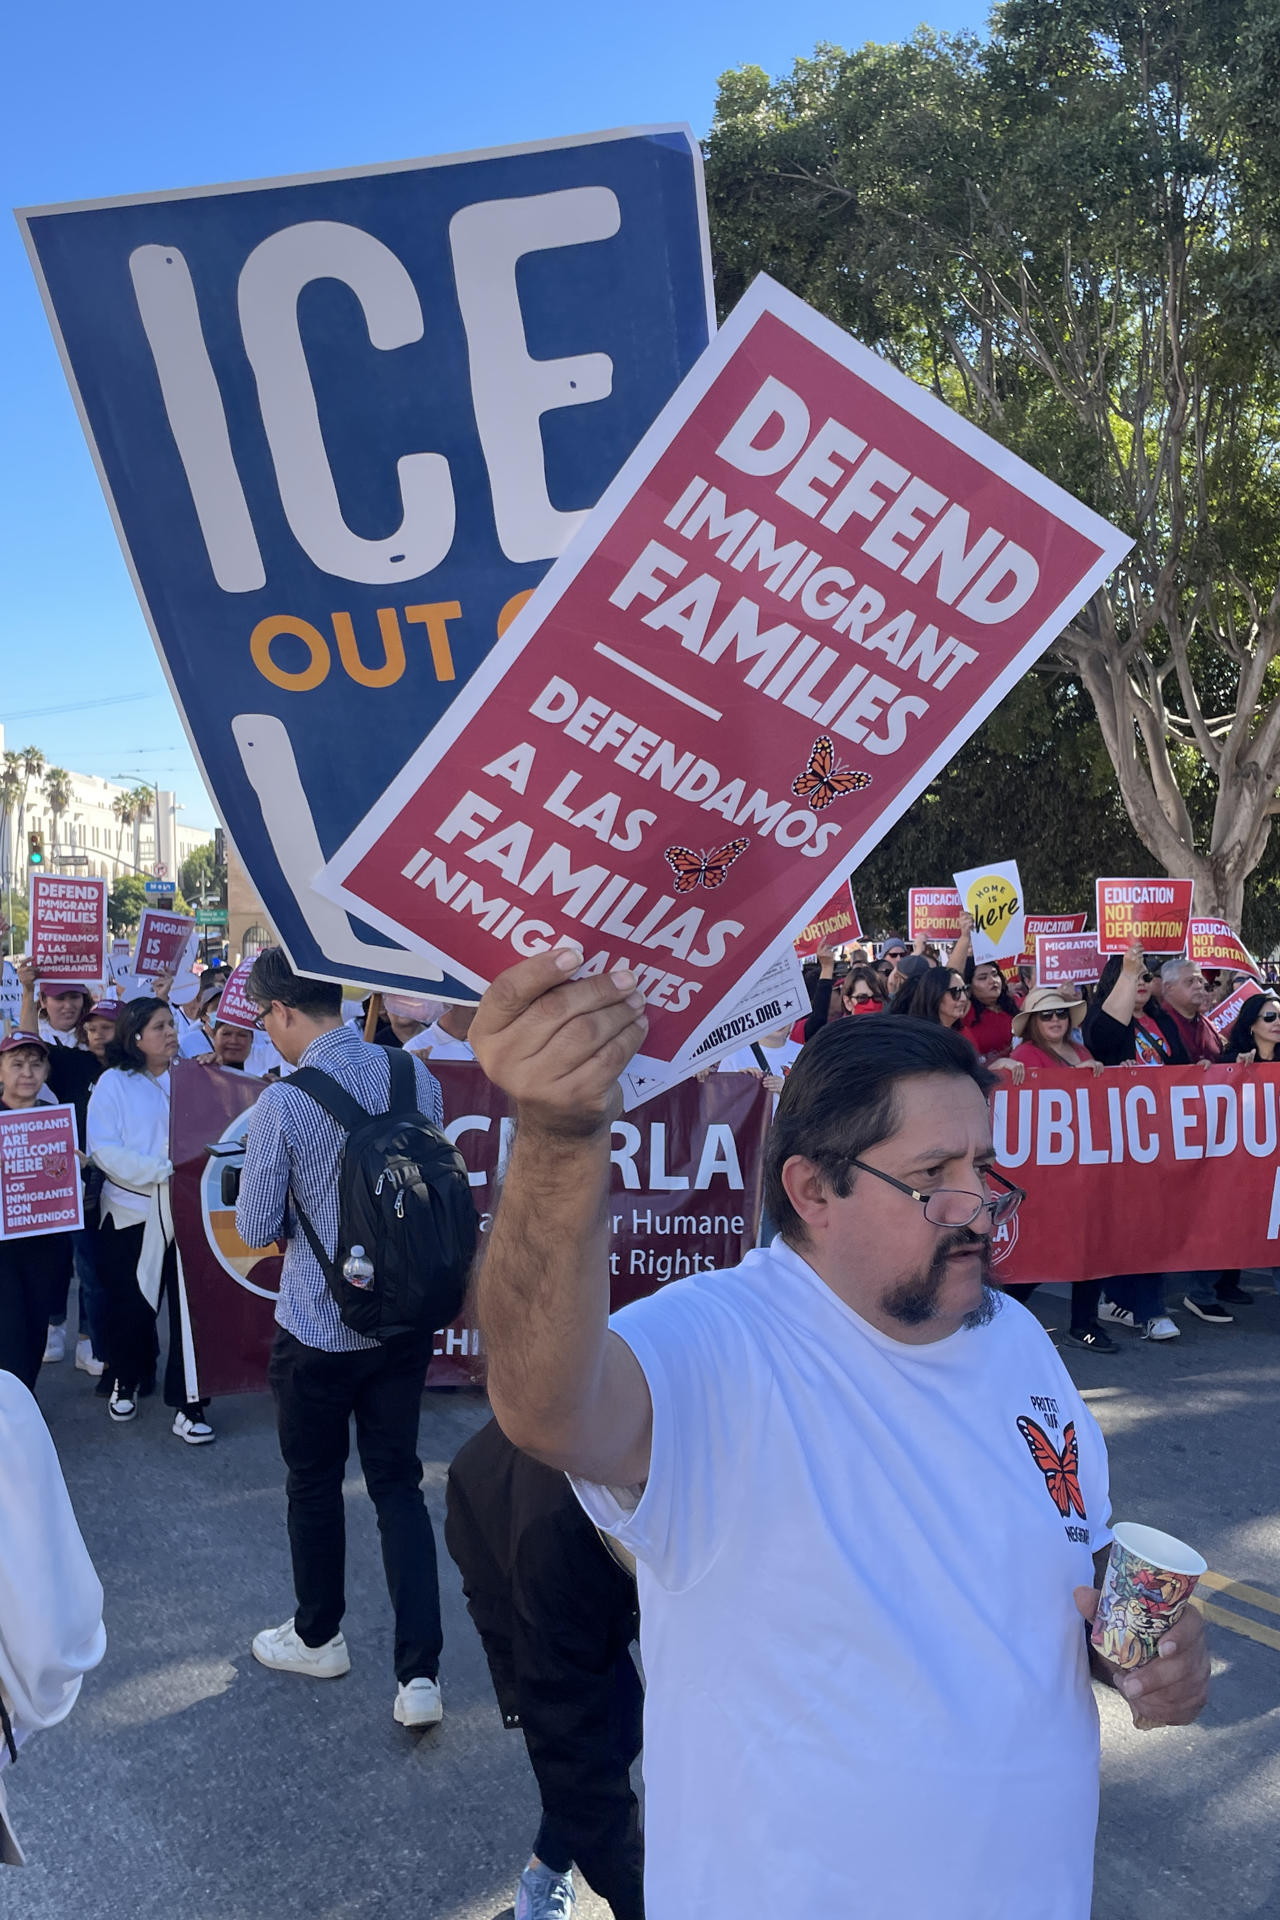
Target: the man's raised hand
(556, 1046)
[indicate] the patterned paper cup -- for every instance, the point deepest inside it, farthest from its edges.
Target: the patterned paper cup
(1150, 1577)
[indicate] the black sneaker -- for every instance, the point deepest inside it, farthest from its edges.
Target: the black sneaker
(1092, 1340)
(1210, 1310)
(1233, 1293)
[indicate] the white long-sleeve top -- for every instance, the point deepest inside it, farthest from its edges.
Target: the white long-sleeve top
(51, 1630)
(128, 1137)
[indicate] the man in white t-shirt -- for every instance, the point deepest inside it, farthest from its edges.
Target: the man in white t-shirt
(863, 1581)
(446, 1038)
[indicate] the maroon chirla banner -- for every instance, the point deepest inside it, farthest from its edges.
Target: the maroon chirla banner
(1155, 1170)
(687, 1175)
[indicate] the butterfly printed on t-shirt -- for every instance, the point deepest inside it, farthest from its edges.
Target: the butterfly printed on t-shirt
(1060, 1470)
(825, 778)
(703, 869)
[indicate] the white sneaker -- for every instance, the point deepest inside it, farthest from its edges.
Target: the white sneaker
(418, 1703)
(55, 1347)
(280, 1647)
(122, 1406)
(1118, 1316)
(1161, 1328)
(196, 1433)
(87, 1361)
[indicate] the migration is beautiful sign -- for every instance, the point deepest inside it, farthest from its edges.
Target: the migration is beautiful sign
(804, 590)
(345, 422)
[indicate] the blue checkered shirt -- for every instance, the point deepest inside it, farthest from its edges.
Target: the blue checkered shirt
(294, 1146)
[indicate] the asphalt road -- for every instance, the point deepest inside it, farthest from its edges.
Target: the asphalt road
(191, 1782)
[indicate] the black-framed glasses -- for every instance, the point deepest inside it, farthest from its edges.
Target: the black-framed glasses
(1054, 1013)
(951, 1206)
(958, 993)
(1268, 1018)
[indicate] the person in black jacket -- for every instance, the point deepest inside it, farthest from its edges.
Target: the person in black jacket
(556, 1615)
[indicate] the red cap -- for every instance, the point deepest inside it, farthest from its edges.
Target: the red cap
(17, 1040)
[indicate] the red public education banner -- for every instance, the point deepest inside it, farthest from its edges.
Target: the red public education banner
(834, 925)
(1153, 911)
(1160, 1170)
(163, 939)
(1211, 943)
(1038, 924)
(933, 913)
(801, 594)
(1067, 959)
(40, 1190)
(68, 937)
(687, 1178)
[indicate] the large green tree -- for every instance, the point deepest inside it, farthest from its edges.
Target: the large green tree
(1069, 231)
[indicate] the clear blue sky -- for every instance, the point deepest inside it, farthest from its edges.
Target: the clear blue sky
(106, 100)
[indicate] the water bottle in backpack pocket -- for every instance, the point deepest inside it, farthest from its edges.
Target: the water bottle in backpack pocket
(407, 1225)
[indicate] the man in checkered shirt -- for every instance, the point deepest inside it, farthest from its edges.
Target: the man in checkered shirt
(321, 1371)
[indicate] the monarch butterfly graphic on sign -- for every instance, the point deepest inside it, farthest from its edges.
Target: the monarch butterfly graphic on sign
(825, 779)
(703, 869)
(1060, 1470)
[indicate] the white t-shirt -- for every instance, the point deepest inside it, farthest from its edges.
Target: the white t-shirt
(435, 1044)
(868, 1688)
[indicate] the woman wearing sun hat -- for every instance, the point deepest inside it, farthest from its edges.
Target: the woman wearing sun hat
(1046, 1028)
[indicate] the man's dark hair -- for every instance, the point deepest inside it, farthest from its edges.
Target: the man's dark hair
(272, 978)
(839, 1099)
(122, 1048)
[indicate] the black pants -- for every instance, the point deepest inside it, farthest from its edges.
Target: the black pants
(316, 1394)
(556, 1616)
(32, 1273)
(133, 1344)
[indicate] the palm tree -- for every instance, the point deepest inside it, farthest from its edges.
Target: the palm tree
(123, 808)
(143, 806)
(10, 800)
(57, 791)
(31, 761)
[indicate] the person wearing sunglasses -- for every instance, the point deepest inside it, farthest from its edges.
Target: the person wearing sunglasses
(932, 993)
(1255, 1033)
(1119, 1028)
(840, 1466)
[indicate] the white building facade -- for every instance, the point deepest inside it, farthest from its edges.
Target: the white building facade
(89, 831)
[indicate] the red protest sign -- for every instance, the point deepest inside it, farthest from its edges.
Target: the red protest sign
(68, 937)
(234, 1005)
(1211, 943)
(1063, 959)
(832, 926)
(760, 647)
(933, 913)
(1152, 911)
(1051, 923)
(1223, 1017)
(40, 1189)
(1134, 1172)
(163, 939)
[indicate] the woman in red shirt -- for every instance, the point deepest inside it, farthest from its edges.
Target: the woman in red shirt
(1046, 1028)
(991, 1022)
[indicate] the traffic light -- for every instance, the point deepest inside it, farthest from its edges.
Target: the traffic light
(35, 848)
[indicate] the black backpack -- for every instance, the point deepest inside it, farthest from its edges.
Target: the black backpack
(404, 1196)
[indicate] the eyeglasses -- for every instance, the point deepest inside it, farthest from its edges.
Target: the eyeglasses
(1267, 1018)
(1146, 977)
(958, 993)
(1055, 1013)
(951, 1206)
(859, 999)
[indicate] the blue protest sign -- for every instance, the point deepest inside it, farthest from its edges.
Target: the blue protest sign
(344, 423)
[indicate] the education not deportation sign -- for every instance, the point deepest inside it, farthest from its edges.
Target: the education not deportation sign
(804, 590)
(344, 421)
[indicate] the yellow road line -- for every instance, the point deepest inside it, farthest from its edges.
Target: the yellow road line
(1238, 1590)
(1267, 1636)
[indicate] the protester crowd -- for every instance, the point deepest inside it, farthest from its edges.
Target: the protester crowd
(557, 1616)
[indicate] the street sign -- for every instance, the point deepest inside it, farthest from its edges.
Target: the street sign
(160, 870)
(345, 422)
(151, 887)
(210, 917)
